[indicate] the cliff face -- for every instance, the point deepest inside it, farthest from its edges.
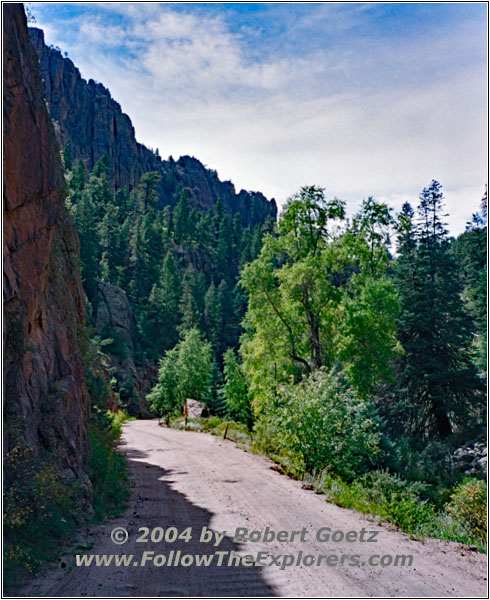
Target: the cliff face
(46, 402)
(93, 124)
(88, 118)
(114, 312)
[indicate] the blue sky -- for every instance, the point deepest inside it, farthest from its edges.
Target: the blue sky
(365, 99)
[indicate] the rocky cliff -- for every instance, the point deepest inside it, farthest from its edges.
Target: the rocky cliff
(46, 402)
(116, 321)
(87, 118)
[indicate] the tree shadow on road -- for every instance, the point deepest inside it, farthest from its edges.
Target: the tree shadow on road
(155, 503)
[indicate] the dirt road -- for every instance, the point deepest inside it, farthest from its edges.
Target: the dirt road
(185, 479)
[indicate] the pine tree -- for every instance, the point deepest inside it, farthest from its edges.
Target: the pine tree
(216, 404)
(212, 316)
(181, 219)
(438, 381)
(171, 293)
(79, 177)
(148, 190)
(188, 307)
(224, 268)
(470, 252)
(85, 216)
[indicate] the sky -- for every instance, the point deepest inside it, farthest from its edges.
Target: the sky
(363, 99)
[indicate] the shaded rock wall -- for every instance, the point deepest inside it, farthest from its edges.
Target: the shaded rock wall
(46, 402)
(87, 118)
(113, 311)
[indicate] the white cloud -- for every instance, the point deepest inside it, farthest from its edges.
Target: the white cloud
(359, 115)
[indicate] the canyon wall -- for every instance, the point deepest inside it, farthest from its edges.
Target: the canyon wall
(46, 402)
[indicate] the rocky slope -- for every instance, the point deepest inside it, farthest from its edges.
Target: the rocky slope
(46, 402)
(87, 118)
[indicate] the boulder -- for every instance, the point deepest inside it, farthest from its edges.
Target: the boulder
(194, 409)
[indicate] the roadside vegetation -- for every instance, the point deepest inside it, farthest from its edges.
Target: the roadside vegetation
(358, 372)
(44, 503)
(385, 496)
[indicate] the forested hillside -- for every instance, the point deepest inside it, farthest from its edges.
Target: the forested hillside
(173, 269)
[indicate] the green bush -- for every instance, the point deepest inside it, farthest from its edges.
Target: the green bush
(468, 506)
(42, 504)
(380, 493)
(319, 424)
(210, 423)
(403, 503)
(117, 420)
(107, 469)
(410, 513)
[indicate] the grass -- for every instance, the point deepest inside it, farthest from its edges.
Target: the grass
(107, 468)
(235, 432)
(402, 503)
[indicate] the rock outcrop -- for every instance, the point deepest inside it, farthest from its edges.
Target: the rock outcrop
(87, 118)
(471, 459)
(46, 402)
(115, 320)
(113, 310)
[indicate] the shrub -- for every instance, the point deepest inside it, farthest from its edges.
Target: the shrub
(468, 506)
(319, 424)
(42, 504)
(210, 423)
(107, 469)
(381, 493)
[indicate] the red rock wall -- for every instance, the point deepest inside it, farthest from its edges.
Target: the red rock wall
(46, 402)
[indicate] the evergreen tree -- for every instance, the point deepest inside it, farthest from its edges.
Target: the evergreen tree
(216, 404)
(148, 190)
(165, 300)
(212, 316)
(85, 216)
(79, 177)
(181, 219)
(228, 335)
(188, 307)
(470, 251)
(438, 382)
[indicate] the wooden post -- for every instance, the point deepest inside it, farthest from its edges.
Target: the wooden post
(226, 431)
